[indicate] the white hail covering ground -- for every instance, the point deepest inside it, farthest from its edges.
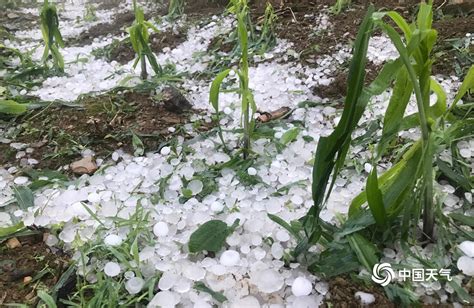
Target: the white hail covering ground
(249, 272)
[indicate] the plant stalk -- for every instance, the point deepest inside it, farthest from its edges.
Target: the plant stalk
(143, 74)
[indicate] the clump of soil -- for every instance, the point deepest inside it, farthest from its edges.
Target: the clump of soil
(104, 124)
(33, 262)
(342, 294)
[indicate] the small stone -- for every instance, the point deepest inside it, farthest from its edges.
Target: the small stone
(13, 243)
(174, 100)
(301, 287)
(27, 279)
(84, 166)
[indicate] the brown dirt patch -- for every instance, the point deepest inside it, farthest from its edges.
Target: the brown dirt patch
(204, 8)
(338, 88)
(105, 124)
(296, 26)
(33, 259)
(116, 27)
(342, 294)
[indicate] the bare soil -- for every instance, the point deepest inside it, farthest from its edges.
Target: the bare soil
(295, 26)
(105, 124)
(342, 292)
(35, 260)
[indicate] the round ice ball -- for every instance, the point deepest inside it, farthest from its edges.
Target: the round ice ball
(134, 285)
(161, 229)
(112, 240)
(230, 258)
(112, 269)
(301, 287)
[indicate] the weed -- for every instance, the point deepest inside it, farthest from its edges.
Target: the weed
(339, 6)
(175, 9)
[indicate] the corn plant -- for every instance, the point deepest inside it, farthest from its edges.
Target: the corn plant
(51, 36)
(248, 105)
(175, 9)
(391, 204)
(139, 38)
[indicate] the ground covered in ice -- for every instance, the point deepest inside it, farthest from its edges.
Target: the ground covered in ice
(128, 224)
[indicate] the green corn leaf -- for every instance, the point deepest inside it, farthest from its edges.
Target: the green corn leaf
(11, 107)
(401, 23)
(215, 89)
(375, 199)
(467, 85)
(439, 108)
(393, 182)
(357, 222)
(405, 57)
(435, 111)
(396, 108)
(329, 266)
(331, 151)
(365, 251)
